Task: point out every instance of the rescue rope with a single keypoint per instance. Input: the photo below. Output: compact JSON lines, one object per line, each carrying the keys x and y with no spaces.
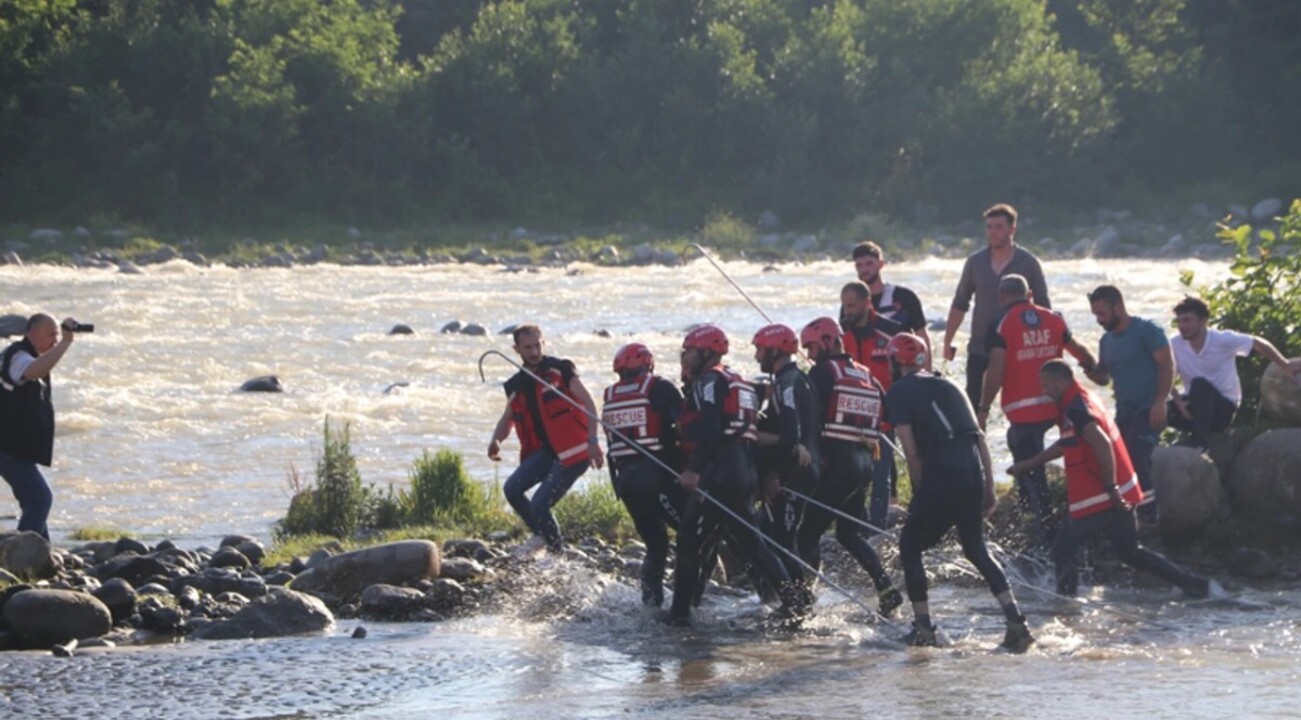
{"x":676,"y":475}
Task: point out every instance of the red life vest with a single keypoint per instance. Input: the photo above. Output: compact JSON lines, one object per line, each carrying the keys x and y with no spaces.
{"x":1032,"y":335}
{"x":854,"y":407}
{"x":869,"y":351}
{"x":1085,"y":492}
{"x":628,"y":409}
{"x":565,"y":425}
{"x":740,"y":408}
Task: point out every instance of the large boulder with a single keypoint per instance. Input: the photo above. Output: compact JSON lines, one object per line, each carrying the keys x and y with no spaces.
{"x":347,"y":575}
{"x":278,"y":613}
{"x":1280,"y":396}
{"x":119,"y":597}
{"x":41,"y":618}
{"x":26,"y":554}
{"x":1187,"y":491}
{"x":390,"y":602}
{"x":1266,"y":482}
{"x":263,"y":383}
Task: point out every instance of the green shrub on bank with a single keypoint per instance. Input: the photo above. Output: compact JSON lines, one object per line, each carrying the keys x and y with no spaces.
{"x":443,"y":494}
{"x":97,"y":533}
{"x":594,"y":511}
{"x":1261,"y":297}
{"x":335,"y":503}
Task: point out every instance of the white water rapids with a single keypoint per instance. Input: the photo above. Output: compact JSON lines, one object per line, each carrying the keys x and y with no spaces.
{"x":154,"y":439}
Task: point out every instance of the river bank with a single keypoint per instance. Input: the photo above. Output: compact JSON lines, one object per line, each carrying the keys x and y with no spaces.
{"x":1190,"y":233}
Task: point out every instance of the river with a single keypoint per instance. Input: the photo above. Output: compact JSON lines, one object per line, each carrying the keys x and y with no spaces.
{"x":154,"y":439}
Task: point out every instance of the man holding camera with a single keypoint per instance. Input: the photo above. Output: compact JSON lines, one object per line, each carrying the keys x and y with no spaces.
{"x":27,"y":415}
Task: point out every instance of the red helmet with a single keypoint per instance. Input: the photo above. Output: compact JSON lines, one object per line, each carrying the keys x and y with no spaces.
{"x":634,"y":356}
{"x":706,"y":337}
{"x":906,"y":349}
{"x":821,"y":332}
{"x":777,"y":336}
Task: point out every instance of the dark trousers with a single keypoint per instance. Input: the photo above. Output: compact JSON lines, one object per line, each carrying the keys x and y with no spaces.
{"x":976,"y":367}
{"x":843,"y":487}
{"x":553,"y":480}
{"x":1140,"y":440}
{"x":883,"y":471}
{"x":31,"y":491}
{"x":1026,"y":440}
{"x":1212,"y":412}
{"x":786,"y":514}
{"x":1119,"y":527}
{"x":730,"y":481}
{"x":954,"y":499}
{"x":655,"y":502}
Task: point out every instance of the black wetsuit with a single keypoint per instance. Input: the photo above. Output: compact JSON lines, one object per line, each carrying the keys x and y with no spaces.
{"x":726,"y":468}
{"x":951,"y":493}
{"x":843,"y":486}
{"x":651,"y":493}
{"x":796,"y":423}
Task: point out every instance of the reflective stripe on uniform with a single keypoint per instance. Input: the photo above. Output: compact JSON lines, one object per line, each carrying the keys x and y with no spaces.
{"x":1104,"y":497}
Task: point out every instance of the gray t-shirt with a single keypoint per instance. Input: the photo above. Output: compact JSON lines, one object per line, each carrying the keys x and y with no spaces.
{"x":980,"y":280}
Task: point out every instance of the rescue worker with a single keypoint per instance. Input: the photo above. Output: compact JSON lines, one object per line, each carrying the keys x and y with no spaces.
{"x":557,"y":440}
{"x":866,"y":334}
{"x":1020,"y":342}
{"x":722,"y":465}
{"x":849,"y":409}
{"x":1102,"y":488}
{"x":953,"y":485}
{"x":643,"y":408}
{"x":792,"y":448}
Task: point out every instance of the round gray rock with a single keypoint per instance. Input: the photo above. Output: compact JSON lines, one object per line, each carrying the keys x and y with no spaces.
{"x":264,"y":383}
{"x":1266,"y":482}
{"x":26,"y":554}
{"x":41,"y":618}
{"x":390,"y":601}
{"x":1187,"y":491}
{"x":278,"y":613}
{"x":1280,"y":396}
{"x":119,"y":597}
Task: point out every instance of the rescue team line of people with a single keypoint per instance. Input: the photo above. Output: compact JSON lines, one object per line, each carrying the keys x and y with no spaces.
{"x":807,"y":447}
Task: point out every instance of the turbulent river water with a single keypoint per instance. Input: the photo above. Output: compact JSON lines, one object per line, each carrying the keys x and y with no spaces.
{"x":153,"y":438}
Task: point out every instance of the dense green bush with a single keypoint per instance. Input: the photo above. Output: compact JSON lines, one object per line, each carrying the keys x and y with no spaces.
{"x":334,"y":502}
{"x":594,"y":511}
{"x":244,"y":113}
{"x":442,"y":492}
{"x":1262,"y":296}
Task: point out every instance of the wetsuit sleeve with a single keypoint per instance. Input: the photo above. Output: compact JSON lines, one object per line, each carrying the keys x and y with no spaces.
{"x":710,"y":393}
{"x":666,"y":401}
{"x":820,"y":384}
{"x":788,"y":417}
{"x":809,"y":408}
{"x":912,"y":307}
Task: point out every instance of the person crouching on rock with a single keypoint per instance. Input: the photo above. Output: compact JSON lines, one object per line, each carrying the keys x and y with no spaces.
{"x":722,"y":464}
{"x":953,"y":485}
{"x":640,"y":416}
{"x":1102,"y":488}
{"x":557,"y":439}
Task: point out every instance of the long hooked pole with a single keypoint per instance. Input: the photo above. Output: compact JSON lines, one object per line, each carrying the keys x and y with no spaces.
{"x":676,"y":475}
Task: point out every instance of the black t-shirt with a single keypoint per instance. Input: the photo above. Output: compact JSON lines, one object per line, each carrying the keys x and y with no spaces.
{"x":943,"y":424}
{"x":1077,"y":414}
{"x":905,"y":307}
{"x":522,"y":382}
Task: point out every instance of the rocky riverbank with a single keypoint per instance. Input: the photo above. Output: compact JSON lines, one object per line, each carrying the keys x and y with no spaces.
{"x":1105,"y":233}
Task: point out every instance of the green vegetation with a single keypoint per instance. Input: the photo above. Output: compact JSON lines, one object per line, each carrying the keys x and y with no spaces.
{"x":595,"y":511}
{"x":1262,"y":297}
{"x":187,"y":116}
{"x":97,"y":533}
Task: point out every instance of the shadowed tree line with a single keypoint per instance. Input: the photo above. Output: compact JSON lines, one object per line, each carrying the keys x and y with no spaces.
{"x":241,"y":113}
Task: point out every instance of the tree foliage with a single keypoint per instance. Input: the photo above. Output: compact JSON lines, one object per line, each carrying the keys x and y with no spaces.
{"x":248,"y":112}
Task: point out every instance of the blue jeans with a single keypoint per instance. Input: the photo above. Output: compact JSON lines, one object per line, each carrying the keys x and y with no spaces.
{"x":31,"y":491}
{"x":879,"y":503}
{"x":554,"y":480}
{"x":1140,"y":440}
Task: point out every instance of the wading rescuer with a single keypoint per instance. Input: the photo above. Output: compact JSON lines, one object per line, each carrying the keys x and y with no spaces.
{"x":849,"y":407}
{"x":722,"y":464}
{"x":644,"y":408}
{"x":866,"y":334}
{"x":793,"y":449}
{"x":557,"y":441}
{"x":1019,"y":343}
{"x":27,"y":415}
{"x":1101,"y":486}
{"x":953,"y":485}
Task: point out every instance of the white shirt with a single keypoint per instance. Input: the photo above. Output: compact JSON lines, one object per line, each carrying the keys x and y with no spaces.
{"x":18,"y":366}
{"x":1215,"y":362}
